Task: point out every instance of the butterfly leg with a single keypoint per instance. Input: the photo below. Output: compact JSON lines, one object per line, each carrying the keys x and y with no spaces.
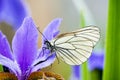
{"x":57,"y":59}
{"x":43,"y":49}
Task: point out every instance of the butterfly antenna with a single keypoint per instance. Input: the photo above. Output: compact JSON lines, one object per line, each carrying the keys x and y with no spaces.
{"x":41,"y":33}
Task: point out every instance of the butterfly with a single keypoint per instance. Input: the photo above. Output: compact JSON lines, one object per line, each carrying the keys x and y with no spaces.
{"x":74,"y":47}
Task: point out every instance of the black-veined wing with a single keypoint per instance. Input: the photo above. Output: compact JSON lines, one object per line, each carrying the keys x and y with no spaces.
{"x":75,"y":47}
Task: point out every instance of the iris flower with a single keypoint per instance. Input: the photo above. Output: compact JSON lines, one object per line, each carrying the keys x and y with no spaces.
{"x":13,"y":12}
{"x":25,"y":57}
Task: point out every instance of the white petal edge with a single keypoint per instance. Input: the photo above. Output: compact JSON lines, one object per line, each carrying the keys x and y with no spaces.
{"x":12,"y":65}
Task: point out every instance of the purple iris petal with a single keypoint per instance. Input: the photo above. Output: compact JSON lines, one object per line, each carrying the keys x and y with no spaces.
{"x":75,"y":73}
{"x":5,"y":47}
{"x":43,"y":54}
{"x":52,"y":29}
{"x":45,"y":63}
{"x":13,"y":12}
{"x":50,"y":32}
{"x":96,"y":61}
{"x":24,"y":44}
{"x":1,"y":4}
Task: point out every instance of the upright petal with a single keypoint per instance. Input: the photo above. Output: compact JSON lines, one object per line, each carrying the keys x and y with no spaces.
{"x":13,"y":12}
{"x":52,"y":29}
{"x":24,"y":44}
{"x":49,"y":33}
{"x":5,"y":47}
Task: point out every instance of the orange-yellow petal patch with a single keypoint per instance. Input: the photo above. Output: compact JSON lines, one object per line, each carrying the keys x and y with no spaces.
{"x":45,"y":76}
{"x":7,"y":76}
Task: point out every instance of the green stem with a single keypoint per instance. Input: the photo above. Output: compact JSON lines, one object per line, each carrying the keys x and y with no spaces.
{"x":85,"y":72}
{"x":1,"y":68}
{"x":112,"y":63}
{"x":84,"y":68}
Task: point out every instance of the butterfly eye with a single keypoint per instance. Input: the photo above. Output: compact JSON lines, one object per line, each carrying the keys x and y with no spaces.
{"x":45,"y":42}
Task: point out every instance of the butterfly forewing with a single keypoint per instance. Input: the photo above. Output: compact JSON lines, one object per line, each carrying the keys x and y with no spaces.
{"x":75,"y":47}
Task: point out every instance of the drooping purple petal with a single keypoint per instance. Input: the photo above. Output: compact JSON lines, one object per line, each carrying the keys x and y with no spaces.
{"x":5,"y":47}
{"x":52,"y":29}
{"x":10,"y":64}
{"x":24,"y":44}
{"x":96,"y":61}
{"x":45,"y":63}
{"x":13,"y":12}
{"x":75,"y":73}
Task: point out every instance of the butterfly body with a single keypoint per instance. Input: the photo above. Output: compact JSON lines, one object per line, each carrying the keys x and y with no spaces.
{"x":75,"y":47}
{"x":49,"y":46}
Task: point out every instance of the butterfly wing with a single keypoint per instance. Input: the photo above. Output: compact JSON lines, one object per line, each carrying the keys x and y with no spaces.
{"x":75,"y":47}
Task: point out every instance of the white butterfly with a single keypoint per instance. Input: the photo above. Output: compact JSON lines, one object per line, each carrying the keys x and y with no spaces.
{"x":75,"y":47}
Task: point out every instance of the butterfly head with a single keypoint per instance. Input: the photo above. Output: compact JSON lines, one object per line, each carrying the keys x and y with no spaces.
{"x":48,"y":45}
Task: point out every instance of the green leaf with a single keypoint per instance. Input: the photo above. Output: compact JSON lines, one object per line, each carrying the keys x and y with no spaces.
{"x":112,"y":58}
